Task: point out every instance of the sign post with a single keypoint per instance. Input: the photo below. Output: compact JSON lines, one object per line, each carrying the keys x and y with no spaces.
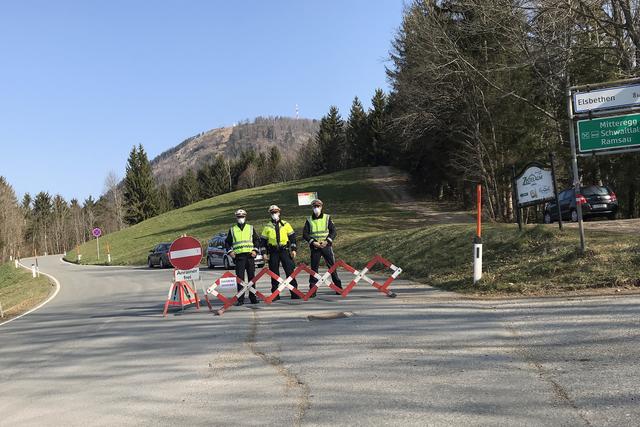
{"x":552,"y":160}
{"x":97,"y":233}
{"x":185,"y":255}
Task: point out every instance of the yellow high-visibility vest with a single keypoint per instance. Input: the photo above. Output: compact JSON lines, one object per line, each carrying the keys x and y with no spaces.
{"x":269,"y":233}
{"x":319,"y":228}
{"x":242,"y":239}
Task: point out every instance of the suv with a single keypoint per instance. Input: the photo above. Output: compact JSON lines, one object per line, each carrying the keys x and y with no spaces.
{"x":596,"y":201}
{"x":217,"y":256}
{"x":159,"y":256}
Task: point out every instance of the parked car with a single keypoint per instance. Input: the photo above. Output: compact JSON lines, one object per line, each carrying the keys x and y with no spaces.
{"x":217,"y":256}
{"x":596,"y":201}
{"x":159,"y":256}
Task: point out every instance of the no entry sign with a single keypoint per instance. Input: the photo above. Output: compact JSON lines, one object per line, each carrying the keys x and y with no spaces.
{"x":185,"y":253}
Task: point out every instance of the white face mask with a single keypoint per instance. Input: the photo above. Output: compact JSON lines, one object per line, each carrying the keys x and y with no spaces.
{"x":275,"y":216}
{"x":317,"y":211}
{"x":241,"y":221}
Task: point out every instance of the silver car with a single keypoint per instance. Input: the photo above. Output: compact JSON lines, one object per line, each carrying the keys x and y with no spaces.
{"x":217,"y":255}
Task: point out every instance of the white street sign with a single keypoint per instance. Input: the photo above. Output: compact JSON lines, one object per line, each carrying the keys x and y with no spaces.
{"x":193,"y":274}
{"x":606,"y":99}
{"x":535,"y":185}
{"x":305,"y":199}
{"x":228,"y":283}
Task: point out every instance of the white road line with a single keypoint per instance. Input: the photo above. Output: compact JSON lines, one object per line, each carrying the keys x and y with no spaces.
{"x":41,"y":304}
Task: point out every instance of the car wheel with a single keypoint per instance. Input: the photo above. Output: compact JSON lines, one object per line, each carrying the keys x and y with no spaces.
{"x":574,"y":215}
{"x":547,"y":218}
{"x":149,"y":263}
{"x":226,"y":263}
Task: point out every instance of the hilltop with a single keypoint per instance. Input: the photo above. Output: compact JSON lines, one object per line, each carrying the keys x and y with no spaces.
{"x":288,"y":134}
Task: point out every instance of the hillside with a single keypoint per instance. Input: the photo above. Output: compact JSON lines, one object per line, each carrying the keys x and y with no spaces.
{"x":286,"y":133}
{"x":539,"y":260}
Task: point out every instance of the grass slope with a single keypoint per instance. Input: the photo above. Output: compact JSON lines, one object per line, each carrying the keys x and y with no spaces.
{"x":538,"y":260}
{"x":19,"y":291}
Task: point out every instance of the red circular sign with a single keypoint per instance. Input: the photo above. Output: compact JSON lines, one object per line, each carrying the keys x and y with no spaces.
{"x":185,"y":253}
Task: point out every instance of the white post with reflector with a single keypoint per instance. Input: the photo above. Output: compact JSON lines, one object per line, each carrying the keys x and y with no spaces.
{"x":477,"y":241}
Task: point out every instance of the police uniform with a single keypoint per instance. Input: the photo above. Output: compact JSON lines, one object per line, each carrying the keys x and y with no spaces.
{"x":319,"y":228}
{"x":242,"y":239}
{"x":279,"y":239}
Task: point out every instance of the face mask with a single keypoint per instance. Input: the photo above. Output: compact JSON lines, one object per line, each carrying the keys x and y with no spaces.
{"x":317,"y":211}
{"x":241,"y":221}
{"x":275,"y":216}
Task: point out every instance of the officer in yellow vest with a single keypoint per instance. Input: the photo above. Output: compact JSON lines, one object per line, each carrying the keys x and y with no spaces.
{"x":279,"y":241}
{"x":320,"y":232}
{"x":242,"y":243}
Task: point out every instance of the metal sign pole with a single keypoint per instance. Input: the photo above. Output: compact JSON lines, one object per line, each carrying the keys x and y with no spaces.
{"x":516,"y":203}
{"x":552,"y":158}
{"x":98,"y":245}
{"x":574,"y":164}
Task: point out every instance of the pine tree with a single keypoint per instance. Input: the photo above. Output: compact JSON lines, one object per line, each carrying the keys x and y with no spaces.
{"x":330,"y":140}
{"x":378,"y":122}
{"x":357,"y":136}
{"x":165,"y":204}
{"x":206,"y":181}
{"x":140,"y":194}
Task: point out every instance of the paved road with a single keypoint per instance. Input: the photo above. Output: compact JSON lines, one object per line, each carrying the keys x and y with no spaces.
{"x":101,"y":354}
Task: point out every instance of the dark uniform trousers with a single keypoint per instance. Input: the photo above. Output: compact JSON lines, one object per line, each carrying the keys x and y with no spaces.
{"x":245,"y":262}
{"x":279,"y":256}
{"x":329,"y":258}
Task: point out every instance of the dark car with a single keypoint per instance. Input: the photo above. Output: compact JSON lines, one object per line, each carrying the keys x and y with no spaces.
{"x":596,"y":201}
{"x":217,"y":256}
{"x":159,"y":256}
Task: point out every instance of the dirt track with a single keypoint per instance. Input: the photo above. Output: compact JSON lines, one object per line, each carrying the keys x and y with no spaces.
{"x":395,"y":185}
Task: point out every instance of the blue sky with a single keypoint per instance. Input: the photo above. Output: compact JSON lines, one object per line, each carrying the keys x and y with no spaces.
{"x":82,"y":81}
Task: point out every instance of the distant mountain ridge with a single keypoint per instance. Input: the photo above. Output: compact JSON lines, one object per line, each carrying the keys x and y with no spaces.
{"x":288,"y":134}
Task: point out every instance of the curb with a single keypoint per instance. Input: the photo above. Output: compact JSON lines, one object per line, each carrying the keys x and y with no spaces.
{"x":42,"y":304}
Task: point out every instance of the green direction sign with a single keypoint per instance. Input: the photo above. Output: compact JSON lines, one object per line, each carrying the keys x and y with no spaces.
{"x":609,"y":133}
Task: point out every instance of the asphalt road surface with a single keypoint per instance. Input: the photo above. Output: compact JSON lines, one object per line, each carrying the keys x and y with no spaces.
{"x":101,"y":353}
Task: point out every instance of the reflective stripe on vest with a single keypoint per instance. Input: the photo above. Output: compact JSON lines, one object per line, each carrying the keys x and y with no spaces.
{"x":242,"y":239}
{"x":269,"y":233}
{"x":319,"y":228}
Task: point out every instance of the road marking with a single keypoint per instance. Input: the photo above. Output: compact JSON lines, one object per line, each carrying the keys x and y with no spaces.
{"x":41,"y":304}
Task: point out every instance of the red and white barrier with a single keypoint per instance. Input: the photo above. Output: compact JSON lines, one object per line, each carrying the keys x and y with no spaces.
{"x":323,"y":280}
{"x":181,"y":294}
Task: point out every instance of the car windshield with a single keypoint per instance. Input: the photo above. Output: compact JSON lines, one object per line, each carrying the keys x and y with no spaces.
{"x":595,"y":190}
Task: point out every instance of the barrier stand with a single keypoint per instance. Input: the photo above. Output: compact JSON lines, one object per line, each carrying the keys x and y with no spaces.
{"x":181,"y":294}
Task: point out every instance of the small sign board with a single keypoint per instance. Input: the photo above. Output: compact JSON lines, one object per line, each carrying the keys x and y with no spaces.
{"x":609,"y":133}
{"x":97,"y":232}
{"x":305,"y":199}
{"x":228,"y":283}
{"x":534,"y":185}
{"x":607,"y":99}
{"x":191,"y":274}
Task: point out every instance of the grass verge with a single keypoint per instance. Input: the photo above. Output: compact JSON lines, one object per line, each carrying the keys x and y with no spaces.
{"x":19,"y":291}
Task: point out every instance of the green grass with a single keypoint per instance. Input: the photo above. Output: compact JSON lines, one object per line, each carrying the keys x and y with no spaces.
{"x":19,"y":291}
{"x":357,"y":208}
{"x":538,"y":260}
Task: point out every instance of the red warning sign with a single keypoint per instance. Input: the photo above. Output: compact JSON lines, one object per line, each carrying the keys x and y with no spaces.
{"x":185,"y":253}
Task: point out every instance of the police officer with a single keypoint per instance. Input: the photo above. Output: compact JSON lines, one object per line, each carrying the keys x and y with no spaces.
{"x":242,"y":243}
{"x":279,"y":241}
{"x":320,"y":232}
